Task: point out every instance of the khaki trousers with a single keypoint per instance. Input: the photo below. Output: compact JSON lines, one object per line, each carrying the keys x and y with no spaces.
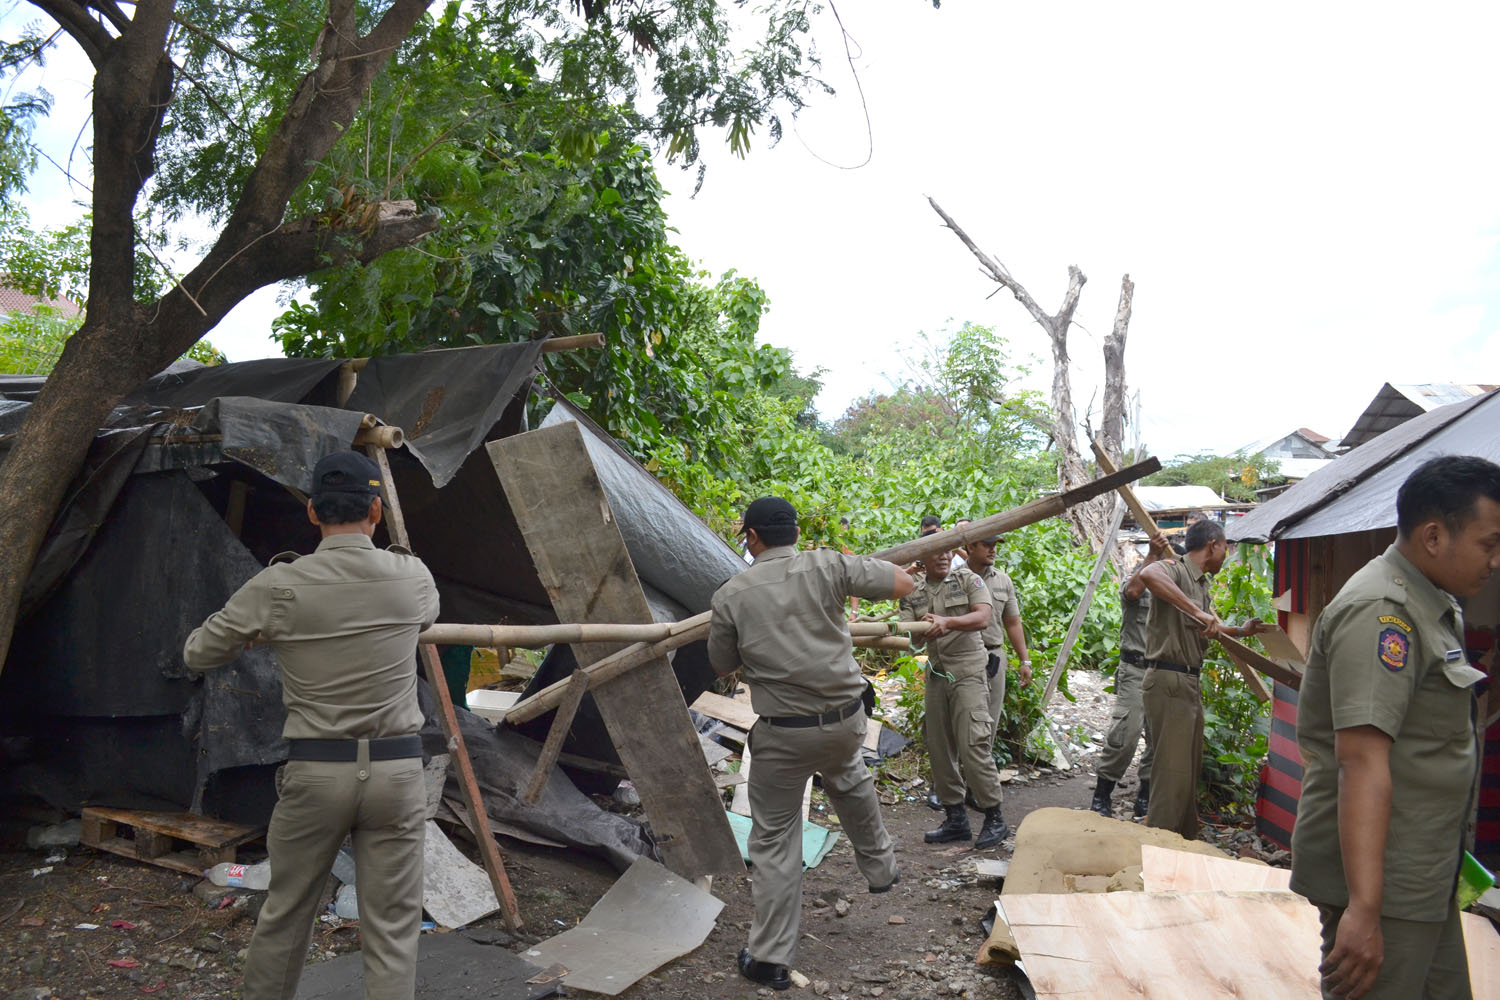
{"x":997,"y":697}
{"x":784,"y":758}
{"x":960,"y":735}
{"x":1126,"y":722}
{"x":319,"y":802}
{"x":1174,"y":715}
{"x":1423,"y":961}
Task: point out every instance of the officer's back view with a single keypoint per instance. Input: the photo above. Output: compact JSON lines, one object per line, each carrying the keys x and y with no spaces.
{"x":782,"y":620}
{"x":344,"y":624}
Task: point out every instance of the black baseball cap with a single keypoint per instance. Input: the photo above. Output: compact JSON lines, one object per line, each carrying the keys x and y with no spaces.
{"x":768,"y":512}
{"x":346,"y":472}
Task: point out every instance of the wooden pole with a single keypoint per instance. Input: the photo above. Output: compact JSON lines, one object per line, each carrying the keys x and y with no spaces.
{"x":1137,"y":509}
{"x":576,"y":684}
{"x":489,"y":850}
{"x":1037,"y":510}
{"x":1081,"y":612}
{"x":540,"y":636}
{"x":554,"y":344}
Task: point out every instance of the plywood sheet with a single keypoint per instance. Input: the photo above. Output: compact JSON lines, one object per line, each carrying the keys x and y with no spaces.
{"x":647,"y":918}
{"x":1167,"y":946}
{"x":455,"y":891}
{"x":735,"y":712}
{"x":1166,"y":870}
{"x":1483,"y":945}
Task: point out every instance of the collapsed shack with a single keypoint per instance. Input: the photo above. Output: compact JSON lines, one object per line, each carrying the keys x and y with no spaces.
{"x":199,"y":478}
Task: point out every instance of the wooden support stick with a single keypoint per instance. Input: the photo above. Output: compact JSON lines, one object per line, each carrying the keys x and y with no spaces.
{"x":539,"y":636}
{"x":996,"y":524}
{"x":1081,"y":612}
{"x":611,"y":666}
{"x":554,"y":344}
{"x":1251,"y":659}
{"x":577,"y":684}
{"x":882,"y":642}
{"x":1252,"y":679}
{"x":489,"y":850}
{"x":1137,"y":509}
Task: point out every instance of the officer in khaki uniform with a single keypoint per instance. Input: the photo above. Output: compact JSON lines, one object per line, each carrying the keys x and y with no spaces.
{"x":1005,"y":623}
{"x":344,"y":624}
{"x":958,"y":729}
{"x":1128,"y":717}
{"x":782,"y":623}
{"x":1386,"y":728}
{"x":1173,"y":701}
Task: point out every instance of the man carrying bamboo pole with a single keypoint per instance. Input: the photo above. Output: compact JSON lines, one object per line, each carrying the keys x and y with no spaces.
{"x":344,"y":624}
{"x":782,"y":623}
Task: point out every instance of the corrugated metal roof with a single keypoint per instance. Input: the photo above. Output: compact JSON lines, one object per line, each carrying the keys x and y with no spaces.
{"x":1395,"y":404}
{"x":1177,"y":497}
{"x":1357,"y":492}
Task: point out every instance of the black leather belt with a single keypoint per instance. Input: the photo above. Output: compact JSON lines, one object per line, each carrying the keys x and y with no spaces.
{"x":1176,"y":668}
{"x":808,"y":721}
{"x":389,"y":748}
{"x":1132,"y":657}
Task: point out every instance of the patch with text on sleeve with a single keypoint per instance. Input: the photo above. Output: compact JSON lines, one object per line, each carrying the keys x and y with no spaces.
{"x":1394,"y":647}
{"x":1393,"y":620}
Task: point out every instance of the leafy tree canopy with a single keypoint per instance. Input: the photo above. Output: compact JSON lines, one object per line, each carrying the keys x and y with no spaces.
{"x":1235,"y":476}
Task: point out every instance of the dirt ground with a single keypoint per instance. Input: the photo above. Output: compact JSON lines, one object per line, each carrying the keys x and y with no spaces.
{"x":99,"y":926}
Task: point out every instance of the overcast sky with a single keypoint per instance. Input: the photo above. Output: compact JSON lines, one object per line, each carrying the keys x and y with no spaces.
{"x":1304,"y":195}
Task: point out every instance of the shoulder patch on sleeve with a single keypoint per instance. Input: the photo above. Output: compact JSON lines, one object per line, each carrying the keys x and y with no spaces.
{"x":1393,"y":620}
{"x":1393,"y":647}
{"x":284,"y":557}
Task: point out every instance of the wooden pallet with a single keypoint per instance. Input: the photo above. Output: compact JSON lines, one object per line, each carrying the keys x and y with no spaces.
{"x":184,"y":842}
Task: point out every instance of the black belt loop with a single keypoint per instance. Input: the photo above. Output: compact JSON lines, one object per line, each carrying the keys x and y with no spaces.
{"x":1176,"y":668}
{"x":808,"y":721}
{"x":347,"y":751}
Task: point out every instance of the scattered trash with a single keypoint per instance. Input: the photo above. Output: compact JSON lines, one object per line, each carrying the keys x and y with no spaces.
{"x":58,"y":835}
{"x":85,"y":927}
{"x":122,"y":925}
{"x":257,"y":876}
{"x":152,"y":989}
{"x":343,"y":866}
{"x":40,"y":871}
{"x":799,"y":980}
{"x":550,"y":974}
{"x":428,"y":925}
{"x":33,"y":922}
{"x":124,"y":963}
{"x":346,"y":903}
{"x":57,"y":857}
{"x":626,"y":795}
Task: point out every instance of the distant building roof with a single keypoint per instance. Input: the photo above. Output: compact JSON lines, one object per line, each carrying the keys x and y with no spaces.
{"x":15,"y":300}
{"x":1313,"y":436}
{"x":1357,"y":491}
{"x":1178,"y":497}
{"x":1395,"y":404}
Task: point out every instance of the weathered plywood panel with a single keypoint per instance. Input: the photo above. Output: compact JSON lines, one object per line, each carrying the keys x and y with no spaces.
{"x":581,"y":559}
{"x":1166,"y":870}
{"x":1167,"y":946}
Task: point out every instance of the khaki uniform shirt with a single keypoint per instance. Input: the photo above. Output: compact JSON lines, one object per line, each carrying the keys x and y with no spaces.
{"x":1170,"y":635}
{"x":782,"y":621}
{"x":344,"y":624}
{"x":961,"y":654}
{"x":1133,"y":622}
{"x":1388,"y":652}
{"x":1006,"y":605}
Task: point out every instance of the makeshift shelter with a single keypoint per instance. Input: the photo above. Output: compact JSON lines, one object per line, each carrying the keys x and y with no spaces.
{"x":198,"y":479}
{"x":1328,"y":526}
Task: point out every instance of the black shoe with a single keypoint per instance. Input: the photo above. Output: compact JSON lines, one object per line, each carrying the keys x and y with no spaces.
{"x":934,"y":803}
{"x":993,"y":831}
{"x":972,"y":802}
{"x":887,"y":888}
{"x":765,"y":973}
{"x":1142,"y":799}
{"x":1101,"y":804}
{"x":955,"y":826}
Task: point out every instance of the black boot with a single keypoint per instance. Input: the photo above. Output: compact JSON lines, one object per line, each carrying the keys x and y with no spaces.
{"x":955,"y":826}
{"x":1102,"y":792}
{"x":993,"y":831}
{"x":1142,"y":799}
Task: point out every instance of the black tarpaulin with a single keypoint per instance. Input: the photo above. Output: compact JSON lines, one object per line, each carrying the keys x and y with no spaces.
{"x":284,"y":380}
{"x":446,"y":402}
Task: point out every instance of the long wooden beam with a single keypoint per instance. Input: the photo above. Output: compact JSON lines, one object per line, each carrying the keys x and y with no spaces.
{"x":1019,"y":517}
{"x":1138,"y":510}
{"x":540,"y":636}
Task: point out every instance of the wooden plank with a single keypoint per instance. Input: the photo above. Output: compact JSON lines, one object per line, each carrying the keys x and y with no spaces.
{"x":1081,"y":612}
{"x":872,"y":735}
{"x":489,"y":848}
{"x":1143,"y":518}
{"x":1252,"y":679}
{"x":192,"y":827}
{"x":1279,"y":672}
{"x":741,"y":802}
{"x":1031,"y":513}
{"x":736,"y":713}
{"x":1192,"y":946}
{"x":1166,"y":870}
{"x":578,"y":684}
{"x":581,"y":560}
{"x":1483,"y":945}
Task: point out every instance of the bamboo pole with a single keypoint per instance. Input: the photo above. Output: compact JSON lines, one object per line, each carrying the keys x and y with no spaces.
{"x":996,"y":524}
{"x":554,"y":344}
{"x":541,"y":636}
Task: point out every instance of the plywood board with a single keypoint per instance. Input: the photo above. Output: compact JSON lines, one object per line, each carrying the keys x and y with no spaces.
{"x":647,"y":919}
{"x":580,"y":556}
{"x":736,"y":713}
{"x":1279,"y":646}
{"x":1168,"y":946}
{"x":1483,"y":945}
{"x":1166,"y":870}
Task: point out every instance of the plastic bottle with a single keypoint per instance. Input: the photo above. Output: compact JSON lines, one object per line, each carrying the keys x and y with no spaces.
{"x":343,"y":866}
{"x":256,"y":876}
{"x":346,"y":904}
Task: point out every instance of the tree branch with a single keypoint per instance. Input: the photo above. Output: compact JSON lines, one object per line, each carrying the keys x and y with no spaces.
{"x":73,"y":18}
{"x":995,"y":269}
{"x":217,"y":43}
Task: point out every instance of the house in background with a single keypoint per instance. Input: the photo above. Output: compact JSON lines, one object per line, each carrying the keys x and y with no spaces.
{"x":1395,"y":404}
{"x":1297,"y":455}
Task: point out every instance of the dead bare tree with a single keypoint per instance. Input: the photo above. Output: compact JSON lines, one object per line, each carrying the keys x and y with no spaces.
{"x":1090,"y":521}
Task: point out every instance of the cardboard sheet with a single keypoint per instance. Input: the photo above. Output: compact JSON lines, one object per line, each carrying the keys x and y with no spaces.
{"x":455,"y":891}
{"x":647,"y":918}
{"x":816,"y":841}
